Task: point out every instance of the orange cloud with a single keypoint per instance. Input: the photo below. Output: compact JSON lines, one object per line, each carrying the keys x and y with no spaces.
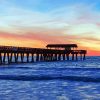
{"x":32,"y":39}
{"x":93,"y":53}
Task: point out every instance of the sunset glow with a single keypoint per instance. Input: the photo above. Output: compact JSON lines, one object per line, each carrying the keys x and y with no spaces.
{"x":35,"y":23}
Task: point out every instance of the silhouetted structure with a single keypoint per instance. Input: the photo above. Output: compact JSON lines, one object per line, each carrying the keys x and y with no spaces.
{"x":62,"y":46}
{"x":11,"y":54}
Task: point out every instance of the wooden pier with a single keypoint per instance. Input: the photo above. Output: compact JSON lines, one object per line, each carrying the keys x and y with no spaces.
{"x":53,"y":52}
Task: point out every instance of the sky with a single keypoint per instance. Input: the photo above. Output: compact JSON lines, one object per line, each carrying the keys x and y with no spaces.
{"x":36,"y":23}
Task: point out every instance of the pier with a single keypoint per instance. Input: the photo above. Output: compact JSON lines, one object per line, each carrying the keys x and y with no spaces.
{"x":52,"y":52}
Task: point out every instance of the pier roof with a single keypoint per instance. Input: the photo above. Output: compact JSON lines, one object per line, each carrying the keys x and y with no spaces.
{"x":61,"y":45}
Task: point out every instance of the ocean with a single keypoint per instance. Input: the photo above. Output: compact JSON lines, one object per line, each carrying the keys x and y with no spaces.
{"x":58,"y":80}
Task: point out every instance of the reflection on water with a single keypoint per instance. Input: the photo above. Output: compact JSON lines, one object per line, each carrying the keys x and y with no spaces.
{"x":66,"y":81}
